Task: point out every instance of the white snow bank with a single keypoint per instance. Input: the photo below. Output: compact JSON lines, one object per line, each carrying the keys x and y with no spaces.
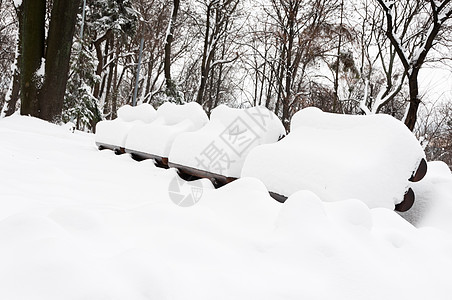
{"x":114,"y":132}
{"x":71,"y":228}
{"x":157,"y":137}
{"x":223,"y":144}
{"x":340,"y":157}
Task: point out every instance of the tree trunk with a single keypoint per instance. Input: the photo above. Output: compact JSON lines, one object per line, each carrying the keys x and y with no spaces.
{"x":107,"y":106}
{"x":259,"y":101}
{"x":114,"y":98}
{"x":104,"y":76}
{"x":149,"y":77}
{"x":205,"y":57}
{"x":59,"y":44}
{"x":32,"y":45}
{"x":100,"y":58}
{"x":13,"y":93}
{"x":209,"y":103}
{"x":288,"y":83}
{"x":170,"y":87}
{"x":219,"y":81}
{"x":411,"y":116}
{"x":269,"y":87}
{"x":338,"y":62}
{"x":280,"y":78}
{"x":269,"y":91}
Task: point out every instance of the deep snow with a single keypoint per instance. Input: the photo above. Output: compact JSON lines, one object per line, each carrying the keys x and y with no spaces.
{"x":78,"y":223}
{"x":172,"y":120}
{"x":340,"y":157}
{"x":222,"y":146}
{"x":115,"y":132}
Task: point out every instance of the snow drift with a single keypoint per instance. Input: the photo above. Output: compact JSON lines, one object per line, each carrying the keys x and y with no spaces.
{"x":77,"y":223}
{"x":339,"y":157}
{"x":223,"y":144}
{"x":113,"y":133}
{"x":157,"y":137}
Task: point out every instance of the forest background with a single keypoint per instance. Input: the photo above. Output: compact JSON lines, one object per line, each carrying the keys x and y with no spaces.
{"x":79,"y":61}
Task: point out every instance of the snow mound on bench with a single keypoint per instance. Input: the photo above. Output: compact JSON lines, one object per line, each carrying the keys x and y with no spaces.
{"x":223,"y":144}
{"x":157,"y":137}
{"x":114,"y":132}
{"x":144,"y":112}
{"x":339,"y":157}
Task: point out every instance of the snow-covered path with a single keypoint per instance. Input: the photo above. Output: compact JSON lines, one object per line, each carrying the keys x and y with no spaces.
{"x":76,"y":223}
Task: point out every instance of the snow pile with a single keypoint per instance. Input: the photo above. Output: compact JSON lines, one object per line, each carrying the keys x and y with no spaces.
{"x":143,"y":112}
{"x":77,"y":223}
{"x":340,"y":157}
{"x":114,"y":132}
{"x":223,"y":144}
{"x":157,"y":137}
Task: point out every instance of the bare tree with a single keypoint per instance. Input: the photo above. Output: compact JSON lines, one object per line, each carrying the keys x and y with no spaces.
{"x":170,"y":86}
{"x":302,"y":34}
{"x":414,"y":28}
{"x":376,"y":81}
{"x":218,"y":21}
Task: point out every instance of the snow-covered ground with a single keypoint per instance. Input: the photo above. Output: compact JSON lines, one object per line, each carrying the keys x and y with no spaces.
{"x":77,"y":223}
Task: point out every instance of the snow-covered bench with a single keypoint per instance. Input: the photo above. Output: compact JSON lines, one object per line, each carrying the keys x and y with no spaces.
{"x":154,"y":140}
{"x":218,"y":150}
{"x":370,"y":158}
{"x":112,"y":134}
